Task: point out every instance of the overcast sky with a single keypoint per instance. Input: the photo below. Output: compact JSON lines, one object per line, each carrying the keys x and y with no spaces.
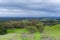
{"x":29,"y":8}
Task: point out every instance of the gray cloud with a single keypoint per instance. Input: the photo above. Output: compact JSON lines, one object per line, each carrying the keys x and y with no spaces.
{"x":30,"y":7}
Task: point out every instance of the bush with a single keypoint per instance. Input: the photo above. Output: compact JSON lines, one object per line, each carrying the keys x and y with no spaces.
{"x":40,"y":27}
{"x":31,"y":29}
{"x":3,"y":30}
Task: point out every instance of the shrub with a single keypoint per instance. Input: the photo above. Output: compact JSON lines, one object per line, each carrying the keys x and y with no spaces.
{"x":31,"y":29}
{"x":40,"y":27}
{"x":3,"y":30}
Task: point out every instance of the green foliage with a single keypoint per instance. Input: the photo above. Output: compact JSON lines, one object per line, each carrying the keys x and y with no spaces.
{"x":31,"y":29}
{"x":3,"y":30}
{"x":30,"y":25}
{"x":40,"y":27}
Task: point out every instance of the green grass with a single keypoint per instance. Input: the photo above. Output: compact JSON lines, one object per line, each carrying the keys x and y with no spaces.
{"x":11,"y":34}
{"x":15,"y":34}
{"x":53,"y":30}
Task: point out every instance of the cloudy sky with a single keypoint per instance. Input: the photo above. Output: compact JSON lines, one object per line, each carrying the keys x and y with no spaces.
{"x":29,"y":8}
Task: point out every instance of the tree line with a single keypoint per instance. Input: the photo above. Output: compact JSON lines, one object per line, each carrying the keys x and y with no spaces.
{"x":30,"y":25}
